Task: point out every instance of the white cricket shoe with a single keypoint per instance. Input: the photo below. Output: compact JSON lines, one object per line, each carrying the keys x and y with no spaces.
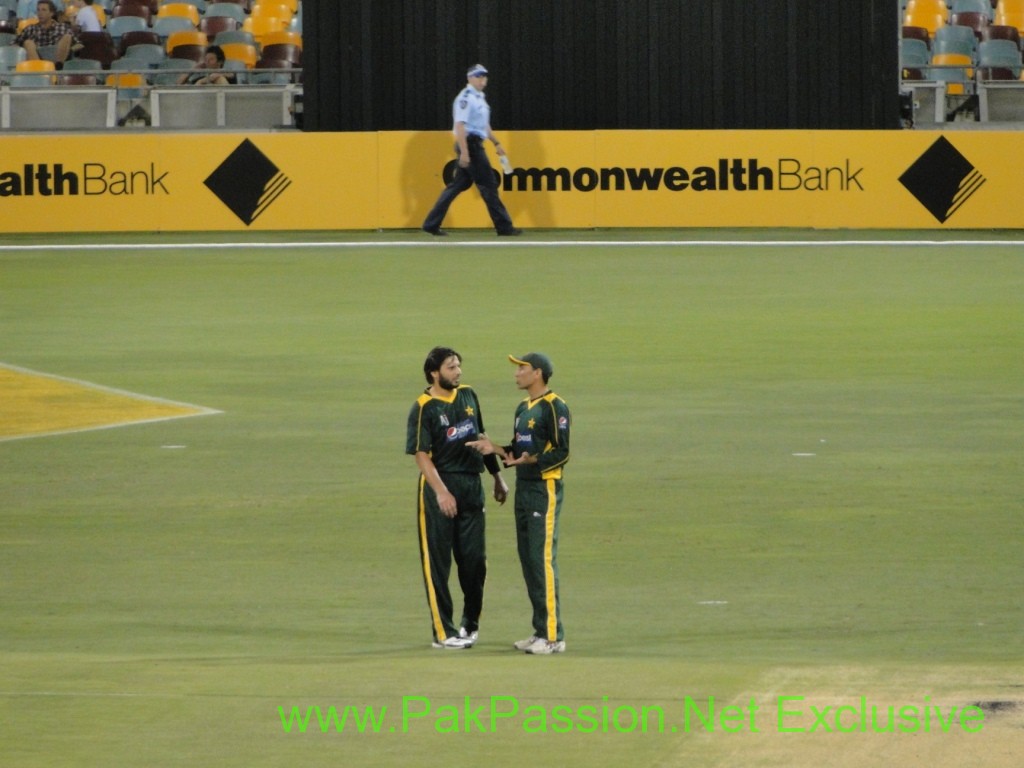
{"x":522,"y":645}
{"x":545,"y":647}
{"x":472,"y":637}
{"x":454,"y":643}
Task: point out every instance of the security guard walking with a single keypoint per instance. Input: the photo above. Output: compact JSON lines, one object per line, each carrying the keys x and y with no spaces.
{"x":471,"y":118}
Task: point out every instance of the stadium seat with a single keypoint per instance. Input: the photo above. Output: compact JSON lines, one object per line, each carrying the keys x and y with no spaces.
{"x":954,"y":39}
{"x":1001,"y":32}
{"x":271,"y":78}
{"x":145,"y":54}
{"x":276,"y":8}
{"x":152,"y":5}
{"x":241,"y":52}
{"x":77,"y":78}
{"x":10,"y":55}
{"x":954,"y":69}
{"x":184,"y":37}
{"x":137,"y":37}
{"x":283,"y":52}
{"x":261,"y":25}
{"x":98,"y":46}
{"x":164,"y":77}
{"x":917,"y":33}
{"x":118,"y":25}
{"x":1011,"y":19}
{"x":927,"y":19}
{"x":82,"y":65}
{"x":165,"y":25}
{"x":25,"y":9}
{"x":183,"y":10}
{"x":40,"y":72}
{"x":199,"y":4}
{"x":80,"y":72}
{"x":973,"y":6}
{"x":971,"y":19}
{"x":214,"y":25}
{"x":930,"y":6}
{"x":914,"y":58}
{"x":132,"y":8}
{"x":234,"y":36}
{"x":999,"y":60}
{"x":284,"y":36}
{"x":230,"y":10}
{"x":187,"y":45}
{"x":130,"y":85}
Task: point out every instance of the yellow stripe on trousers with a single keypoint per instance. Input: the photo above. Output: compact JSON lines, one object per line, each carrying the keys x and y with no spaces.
{"x":435,"y":616}
{"x":549,"y":565}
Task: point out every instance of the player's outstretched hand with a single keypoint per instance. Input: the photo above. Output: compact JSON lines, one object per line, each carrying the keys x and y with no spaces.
{"x":484,"y":445}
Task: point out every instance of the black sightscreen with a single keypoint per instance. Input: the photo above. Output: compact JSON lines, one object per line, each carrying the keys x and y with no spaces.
{"x":586,"y":64}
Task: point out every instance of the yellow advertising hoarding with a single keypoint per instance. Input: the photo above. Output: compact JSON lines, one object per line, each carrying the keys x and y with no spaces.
{"x":187,"y":182}
{"x":567,"y":179}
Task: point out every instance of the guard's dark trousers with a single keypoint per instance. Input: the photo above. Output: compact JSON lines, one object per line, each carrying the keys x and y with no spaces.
{"x":480,"y":173}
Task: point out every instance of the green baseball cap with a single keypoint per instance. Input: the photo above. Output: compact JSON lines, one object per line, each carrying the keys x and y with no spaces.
{"x":535,"y":360}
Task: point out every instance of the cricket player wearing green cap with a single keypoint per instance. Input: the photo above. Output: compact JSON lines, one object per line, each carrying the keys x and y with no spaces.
{"x":539,"y":452}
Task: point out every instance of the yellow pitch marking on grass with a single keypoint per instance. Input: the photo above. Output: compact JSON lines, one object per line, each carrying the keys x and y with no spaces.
{"x":34,"y":404}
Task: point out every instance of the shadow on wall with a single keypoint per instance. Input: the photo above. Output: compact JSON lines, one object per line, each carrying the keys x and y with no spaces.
{"x":429,"y":161}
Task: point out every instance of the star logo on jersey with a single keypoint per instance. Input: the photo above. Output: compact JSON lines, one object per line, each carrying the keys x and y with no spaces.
{"x":469,"y":411}
{"x":531,"y":423}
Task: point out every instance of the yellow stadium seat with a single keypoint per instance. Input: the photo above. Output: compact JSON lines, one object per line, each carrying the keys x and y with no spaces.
{"x":284,"y":36}
{"x":185,"y":10}
{"x":935,"y":6}
{"x":241,"y":52}
{"x":1010,"y":6}
{"x":35,"y":65}
{"x":186,"y":37}
{"x":275,"y":9}
{"x":927,"y":19}
{"x":293,"y":5}
{"x":954,"y":69}
{"x":126,"y":80}
{"x":1013,"y":19}
{"x":261,"y":25}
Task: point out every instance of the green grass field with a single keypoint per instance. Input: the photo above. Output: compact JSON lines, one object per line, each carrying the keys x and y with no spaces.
{"x":797,"y":471}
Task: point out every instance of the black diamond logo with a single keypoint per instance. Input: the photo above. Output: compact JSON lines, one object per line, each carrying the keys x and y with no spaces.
{"x":942,"y":179}
{"x":247,"y":182}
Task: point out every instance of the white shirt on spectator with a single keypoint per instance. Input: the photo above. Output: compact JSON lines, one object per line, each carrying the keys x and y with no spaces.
{"x":87,"y":20}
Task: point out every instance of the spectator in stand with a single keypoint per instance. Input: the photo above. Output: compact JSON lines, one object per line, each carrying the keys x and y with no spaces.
{"x":83,"y":15}
{"x":210,"y":71}
{"x":46,"y":33}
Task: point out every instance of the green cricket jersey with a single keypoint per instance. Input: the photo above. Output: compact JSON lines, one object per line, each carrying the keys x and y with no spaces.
{"x":441,"y":428}
{"x":542,"y":430}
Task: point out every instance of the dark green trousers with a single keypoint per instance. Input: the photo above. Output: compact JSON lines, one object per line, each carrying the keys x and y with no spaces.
{"x":538,"y":504}
{"x":461,"y":537}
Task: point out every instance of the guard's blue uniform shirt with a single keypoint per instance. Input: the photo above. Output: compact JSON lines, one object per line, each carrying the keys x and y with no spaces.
{"x":471,"y":107}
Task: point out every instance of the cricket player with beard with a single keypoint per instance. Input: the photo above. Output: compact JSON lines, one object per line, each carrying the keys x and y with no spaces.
{"x":450,"y":497}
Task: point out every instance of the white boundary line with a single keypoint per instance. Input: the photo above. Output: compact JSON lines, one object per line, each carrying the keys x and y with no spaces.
{"x":520,"y":243}
{"x":200,"y":410}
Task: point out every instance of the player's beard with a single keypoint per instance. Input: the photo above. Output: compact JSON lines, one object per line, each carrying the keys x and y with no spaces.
{"x":446,"y":384}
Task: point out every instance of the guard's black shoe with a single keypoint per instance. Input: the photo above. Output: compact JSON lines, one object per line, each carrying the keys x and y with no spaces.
{"x":438,"y":232}
{"x":514,"y":232}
